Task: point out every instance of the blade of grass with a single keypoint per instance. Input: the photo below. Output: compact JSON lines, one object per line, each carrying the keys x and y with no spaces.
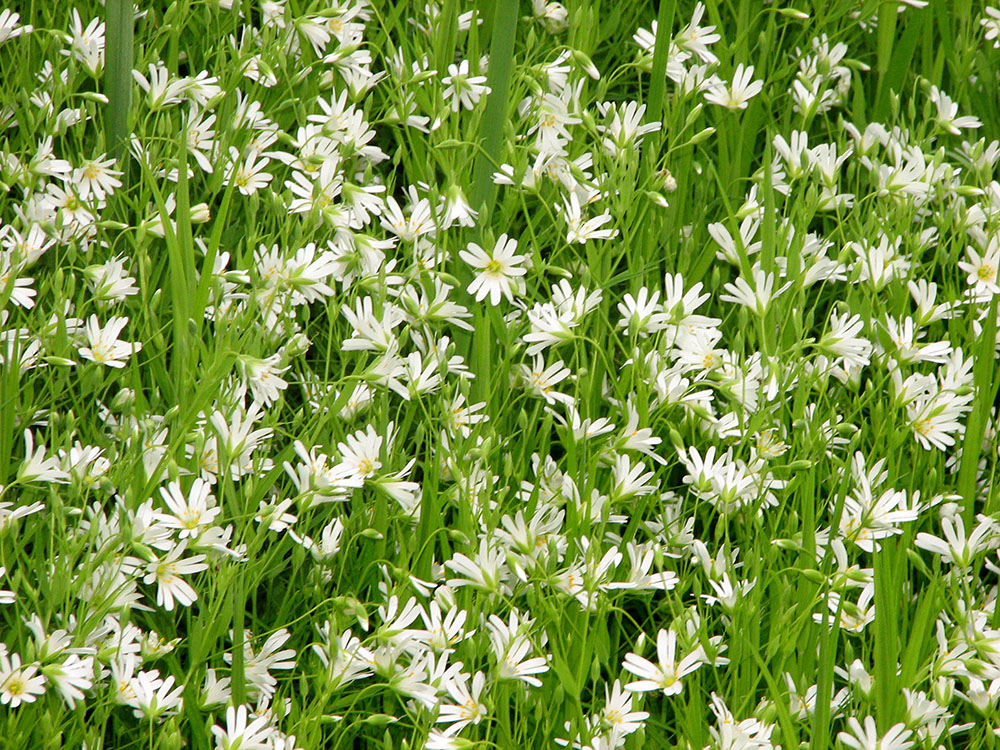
{"x":237,"y":607}
{"x":9,"y":399}
{"x":919,"y":644}
{"x":118,"y":76}
{"x":658,"y":75}
{"x":207,"y":267}
{"x":488,"y":157}
{"x":975,"y":428}
{"x":886,"y":633}
{"x":495,"y":114}
{"x":895,"y":51}
{"x":829,"y":634}
{"x":886,"y":36}
{"x":181,"y":281}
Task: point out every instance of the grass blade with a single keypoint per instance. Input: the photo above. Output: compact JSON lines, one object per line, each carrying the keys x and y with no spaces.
{"x":495,"y":114}
{"x":658,"y":75}
{"x":118,"y":76}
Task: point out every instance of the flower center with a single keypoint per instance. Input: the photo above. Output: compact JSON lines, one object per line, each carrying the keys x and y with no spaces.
{"x":15,"y":686}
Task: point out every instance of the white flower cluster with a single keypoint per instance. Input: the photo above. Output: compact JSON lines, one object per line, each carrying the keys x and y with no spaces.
{"x":302,"y":445}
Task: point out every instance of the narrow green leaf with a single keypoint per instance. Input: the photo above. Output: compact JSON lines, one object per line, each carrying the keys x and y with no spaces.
{"x":658,"y":75}
{"x":495,"y":114}
{"x":975,"y":428}
{"x":886,"y":627}
{"x":118,"y":76}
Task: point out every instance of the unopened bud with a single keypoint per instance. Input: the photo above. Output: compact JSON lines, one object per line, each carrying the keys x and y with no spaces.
{"x":58,"y":361}
{"x":787,"y":544}
{"x":457,"y":536}
{"x":586,"y":64}
{"x":380,"y":720}
{"x":702,"y":136}
{"x":814,"y":576}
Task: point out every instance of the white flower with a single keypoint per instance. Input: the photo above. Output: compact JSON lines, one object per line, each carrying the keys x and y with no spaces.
{"x":626,"y":130}
{"x":866,"y":738}
{"x":454,"y":208}
{"x":110,"y":282}
{"x":248,"y":175}
{"x":935,"y":416}
{"x":167,"y":572}
{"x":361,"y":452}
{"x":6,"y":597}
{"x":579,"y":230}
{"x":95,"y":177}
{"x":983,"y":269}
{"x":9,"y":28}
{"x":217,"y":691}
{"x":239,"y":735}
{"x":488,"y":571}
{"x":695,"y":38}
{"x":26,"y":248}
{"x":190,"y":515}
{"x":553,"y":116}
{"x":907,"y":175}
{"x":161,"y":90}
{"x":257,"y":665}
{"x":105,"y":348}
{"x":235,"y":437}
{"x":511,"y":647}
{"x":370,"y":331}
{"x":320,"y":193}
{"x":497,"y":270}
{"x":274,"y":517}
{"x":468,"y":707}
{"x":947,"y":111}
{"x":540,"y":380}
{"x":419,"y":222}
{"x":71,"y":677}
{"x":19,"y":289}
{"x":635,"y":438}
{"x":629,"y":480}
{"x":957,"y":548}
{"x":263,"y":377}
{"x":757,"y":297}
{"x":737,"y":95}
{"x":87,"y":44}
{"x":618,"y":715}
{"x":991,"y":24}
{"x":152,"y":697}
{"x":461,"y":89}
{"x":37,"y":468}
{"x":667,"y":674}
{"x":18,"y":684}
{"x":553,"y":16}
{"x":201,"y":139}
{"x":843,"y":340}
{"x":643,"y":314}
{"x":548,"y":328}
{"x":641,"y":557}
{"x":903,"y":335}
